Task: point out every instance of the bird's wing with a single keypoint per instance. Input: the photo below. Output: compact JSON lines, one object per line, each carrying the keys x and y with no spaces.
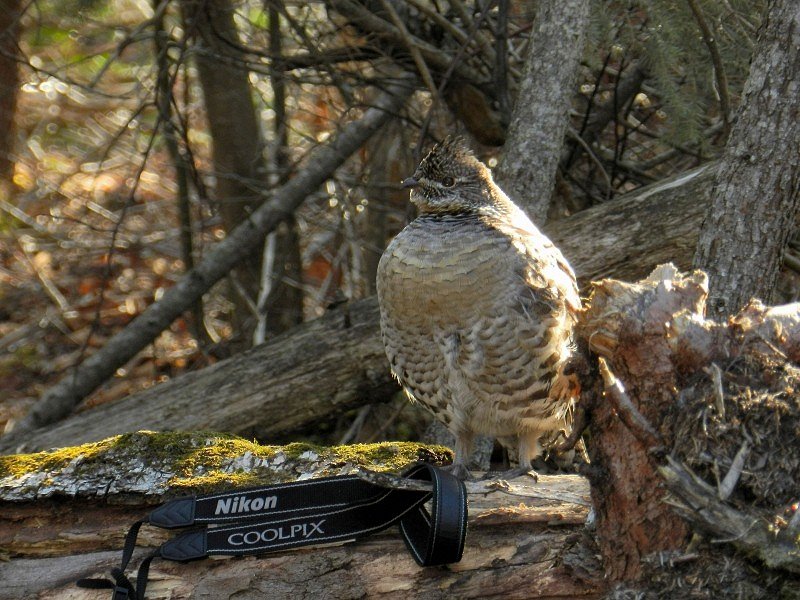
{"x":546,"y":269}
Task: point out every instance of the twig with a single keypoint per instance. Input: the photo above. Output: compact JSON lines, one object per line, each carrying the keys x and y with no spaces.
{"x":445,"y":79}
{"x":135,"y":36}
{"x":435,"y":16}
{"x":719,"y":68}
{"x":471,"y":25}
{"x":388,"y":480}
{"x":584,"y":367}
{"x":734,"y":473}
{"x":719,"y":395}
{"x":579,"y":424}
{"x":434,"y":56}
{"x":697,"y":502}
{"x":422,"y":67}
{"x":792,"y":261}
{"x":356,"y":425}
{"x":48,"y":285}
{"x":592,"y":156}
{"x":164,"y":104}
{"x":22,"y":216}
{"x":636,"y":423}
{"x":403,"y":403}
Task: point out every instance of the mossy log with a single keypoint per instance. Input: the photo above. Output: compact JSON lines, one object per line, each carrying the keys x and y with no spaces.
{"x":64,"y":514}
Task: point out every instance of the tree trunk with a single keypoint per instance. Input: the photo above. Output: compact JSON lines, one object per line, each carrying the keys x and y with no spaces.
{"x":523,"y":541}
{"x":240,"y":168}
{"x":281,"y":297}
{"x":541,"y":114}
{"x":59,"y":400}
{"x":756,"y":195}
{"x":337,"y":362}
{"x":9,"y":84}
{"x":632,"y":520}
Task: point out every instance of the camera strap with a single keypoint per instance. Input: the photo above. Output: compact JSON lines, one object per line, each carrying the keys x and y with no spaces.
{"x":303,"y":513}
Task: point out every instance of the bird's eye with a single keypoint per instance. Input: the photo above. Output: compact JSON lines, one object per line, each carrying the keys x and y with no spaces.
{"x":448,"y":182}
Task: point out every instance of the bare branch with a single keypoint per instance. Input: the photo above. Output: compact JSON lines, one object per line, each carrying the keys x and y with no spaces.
{"x":698,"y":503}
{"x":719,"y":68}
{"x":636,"y":423}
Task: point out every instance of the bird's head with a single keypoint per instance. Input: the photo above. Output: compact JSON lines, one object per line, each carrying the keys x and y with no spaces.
{"x":450,"y":179}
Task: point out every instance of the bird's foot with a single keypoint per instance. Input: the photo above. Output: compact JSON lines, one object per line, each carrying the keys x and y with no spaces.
{"x":510,"y":474}
{"x":459,"y":470}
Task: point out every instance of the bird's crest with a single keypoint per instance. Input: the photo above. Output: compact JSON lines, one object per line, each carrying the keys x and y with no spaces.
{"x":447,"y":156}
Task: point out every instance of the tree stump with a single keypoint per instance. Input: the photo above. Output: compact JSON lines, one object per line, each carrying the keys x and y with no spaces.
{"x":695,"y":430}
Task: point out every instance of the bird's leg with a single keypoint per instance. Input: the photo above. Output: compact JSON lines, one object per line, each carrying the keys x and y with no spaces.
{"x":462,"y":453}
{"x":528,"y":449}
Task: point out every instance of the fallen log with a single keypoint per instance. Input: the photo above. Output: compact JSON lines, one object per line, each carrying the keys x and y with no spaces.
{"x":336,"y":362}
{"x":693,"y":480}
{"x":320,"y":368}
{"x":64,"y":514}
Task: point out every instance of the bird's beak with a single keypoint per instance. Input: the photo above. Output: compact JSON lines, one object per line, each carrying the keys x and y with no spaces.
{"x":409,"y":182}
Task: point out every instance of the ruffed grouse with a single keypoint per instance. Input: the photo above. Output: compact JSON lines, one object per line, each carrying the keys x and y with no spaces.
{"x":477,"y":308}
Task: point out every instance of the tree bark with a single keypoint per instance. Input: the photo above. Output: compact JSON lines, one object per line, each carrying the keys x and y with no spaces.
{"x":324,"y":367}
{"x":523,"y":542}
{"x":59,"y":400}
{"x":539,"y":121}
{"x":9,"y":83}
{"x":280,"y":302}
{"x":757,"y":191}
{"x":240,"y":168}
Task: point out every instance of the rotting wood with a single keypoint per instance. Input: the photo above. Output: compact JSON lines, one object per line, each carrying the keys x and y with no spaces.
{"x":662,"y":440}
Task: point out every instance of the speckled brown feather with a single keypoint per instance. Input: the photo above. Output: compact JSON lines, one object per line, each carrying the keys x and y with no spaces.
{"x":477,"y":308}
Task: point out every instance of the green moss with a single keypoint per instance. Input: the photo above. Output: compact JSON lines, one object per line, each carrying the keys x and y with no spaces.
{"x":205,"y":461}
{"x":17,"y":465}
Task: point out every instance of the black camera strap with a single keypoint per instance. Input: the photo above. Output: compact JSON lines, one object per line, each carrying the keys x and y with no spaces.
{"x":316,"y":511}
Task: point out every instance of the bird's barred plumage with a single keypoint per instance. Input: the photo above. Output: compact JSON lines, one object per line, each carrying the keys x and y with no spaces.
{"x":477,"y":308}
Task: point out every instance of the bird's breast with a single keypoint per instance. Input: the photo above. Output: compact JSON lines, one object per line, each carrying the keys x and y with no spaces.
{"x":444,"y":272}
